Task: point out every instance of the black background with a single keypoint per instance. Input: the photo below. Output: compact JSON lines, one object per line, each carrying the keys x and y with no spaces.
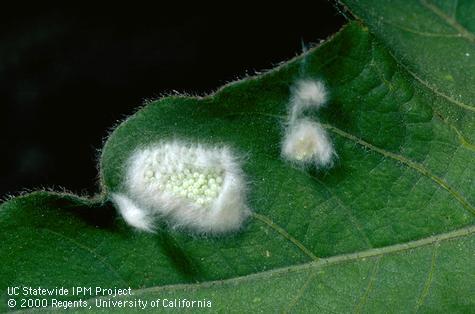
{"x":68,"y":75}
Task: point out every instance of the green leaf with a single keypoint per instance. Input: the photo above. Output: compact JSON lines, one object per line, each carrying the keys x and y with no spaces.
{"x":439,"y":269}
{"x":389,"y":226}
{"x":434,"y":41}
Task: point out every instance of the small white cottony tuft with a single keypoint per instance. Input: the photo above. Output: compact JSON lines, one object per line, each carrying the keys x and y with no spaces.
{"x":193,"y":186}
{"x":306,"y":94}
{"x":132,"y":214}
{"x":312,"y":92}
{"x":306,"y":142}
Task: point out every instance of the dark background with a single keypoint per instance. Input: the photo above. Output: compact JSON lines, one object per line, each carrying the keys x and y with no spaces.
{"x":68,"y":75}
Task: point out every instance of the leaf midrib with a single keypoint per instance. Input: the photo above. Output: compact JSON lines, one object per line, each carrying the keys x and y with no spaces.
{"x":322,"y":262}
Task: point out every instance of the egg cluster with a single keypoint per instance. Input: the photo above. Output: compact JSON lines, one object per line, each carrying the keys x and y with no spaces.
{"x":304,"y":148}
{"x":192,"y":186}
{"x":201,"y":186}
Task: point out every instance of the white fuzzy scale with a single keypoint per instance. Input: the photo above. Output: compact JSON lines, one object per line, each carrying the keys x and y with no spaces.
{"x":310,"y":93}
{"x":192,"y":186}
{"x":307,"y":142}
{"x":307,"y":94}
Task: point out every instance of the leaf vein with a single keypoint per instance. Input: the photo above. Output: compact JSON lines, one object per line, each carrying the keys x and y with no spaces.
{"x":100,"y":258}
{"x":460,"y":136}
{"x":421,"y":33}
{"x":428,"y":282}
{"x":469,"y":107}
{"x":405,"y":161}
{"x":414,"y":165}
{"x":351,"y":217}
{"x":322,"y":262}
{"x":267,"y":221}
{"x":300,"y":293}
{"x":449,"y":20}
{"x":371,"y":280}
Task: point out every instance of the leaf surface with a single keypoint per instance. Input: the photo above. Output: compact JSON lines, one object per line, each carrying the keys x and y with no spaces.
{"x":433,"y":275}
{"x":391,"y":224}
